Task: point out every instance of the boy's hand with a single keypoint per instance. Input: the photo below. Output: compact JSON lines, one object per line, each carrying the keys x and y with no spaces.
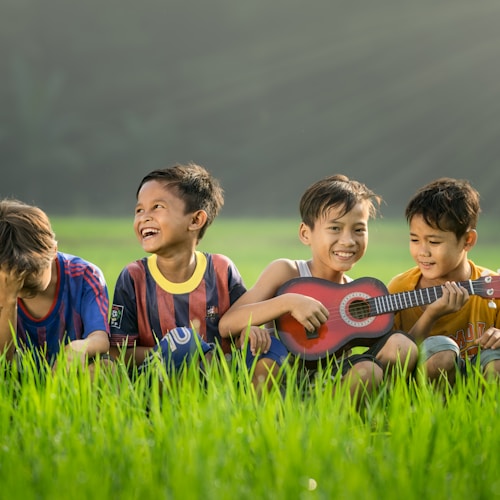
{"x":490,"y":339}
{"x":258,"y":338}
{"x":309,"y":312}
{"x":453,"y":299}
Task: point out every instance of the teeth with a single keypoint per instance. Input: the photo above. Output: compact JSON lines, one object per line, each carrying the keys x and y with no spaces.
{"x":149,"y":232}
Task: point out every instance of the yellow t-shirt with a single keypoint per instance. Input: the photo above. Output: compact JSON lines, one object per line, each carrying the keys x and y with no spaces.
{"x":463,"y":326}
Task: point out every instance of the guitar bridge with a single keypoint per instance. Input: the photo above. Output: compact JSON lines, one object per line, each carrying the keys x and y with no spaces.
{"x":312,"y":335}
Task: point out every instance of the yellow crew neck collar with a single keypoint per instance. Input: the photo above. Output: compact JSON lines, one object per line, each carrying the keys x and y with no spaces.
{"x":178,"y":288}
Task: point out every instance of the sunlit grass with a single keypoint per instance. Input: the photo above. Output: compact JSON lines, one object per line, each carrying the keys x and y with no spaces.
{"x":65,"y":435}
{"x":194,"y":436}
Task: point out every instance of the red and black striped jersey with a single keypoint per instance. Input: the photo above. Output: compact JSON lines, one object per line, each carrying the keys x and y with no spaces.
{"x":146,"y":305}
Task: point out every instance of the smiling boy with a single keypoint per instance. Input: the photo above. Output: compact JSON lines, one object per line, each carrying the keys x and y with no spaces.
{"x":442,"y":218}
{"x":335,"y":212}
{"x":177,"y":294}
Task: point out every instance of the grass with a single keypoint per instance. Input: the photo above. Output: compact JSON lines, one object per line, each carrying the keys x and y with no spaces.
{"x":253,"y":243}
{"x":62,"y":435}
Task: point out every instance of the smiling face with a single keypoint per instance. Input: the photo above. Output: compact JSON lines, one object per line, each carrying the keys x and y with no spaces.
{"x":440,"y":255}
{"x":338,"y":240}
{"x":161,"y":223}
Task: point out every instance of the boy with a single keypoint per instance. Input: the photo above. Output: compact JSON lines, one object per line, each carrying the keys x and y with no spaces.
{"x":335,"y":213}
{"x":442,"y":218}
{"x":48,"y":298}
{"x":161,"y":300}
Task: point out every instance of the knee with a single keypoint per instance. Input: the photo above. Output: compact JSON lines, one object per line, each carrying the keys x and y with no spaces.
{"x":442,"y":363}
{"x":492,"y":369}
{"x":367,"y":373}
{"x":399,"y":348}
{"x":265,"y":374}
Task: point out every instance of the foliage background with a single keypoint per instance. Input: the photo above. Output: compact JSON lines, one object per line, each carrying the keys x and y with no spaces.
{"x":269,"y":96}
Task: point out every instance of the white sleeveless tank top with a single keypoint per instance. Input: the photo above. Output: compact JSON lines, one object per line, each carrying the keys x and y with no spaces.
{"x":305,"y":272}
{"x":303,"y":268}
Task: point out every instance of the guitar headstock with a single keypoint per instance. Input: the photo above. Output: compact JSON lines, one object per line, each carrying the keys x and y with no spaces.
{"x":487,"y":287}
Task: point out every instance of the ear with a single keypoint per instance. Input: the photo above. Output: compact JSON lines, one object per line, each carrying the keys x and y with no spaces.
{"x":198,"y":220}
{"x":305,"y":233}
{"x":470,"y":239}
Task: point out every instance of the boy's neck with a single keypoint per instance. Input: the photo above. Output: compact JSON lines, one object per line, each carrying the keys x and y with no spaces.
{"x":177,"y":268}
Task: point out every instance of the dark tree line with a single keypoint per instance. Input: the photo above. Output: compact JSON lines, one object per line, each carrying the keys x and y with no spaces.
{"x":269,"y":96}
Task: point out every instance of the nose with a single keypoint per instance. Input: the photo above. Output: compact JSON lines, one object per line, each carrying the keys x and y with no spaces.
{"x":424,"y":250}
{"x":144,"y":215}
{"x":347,"y":238}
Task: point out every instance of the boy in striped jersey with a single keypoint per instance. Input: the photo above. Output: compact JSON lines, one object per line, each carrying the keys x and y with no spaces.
{"x":48,"y":298}
{"x":163,"y":301}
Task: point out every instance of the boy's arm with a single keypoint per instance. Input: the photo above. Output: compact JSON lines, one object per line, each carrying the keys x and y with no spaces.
{"x":124,"y":327}
{"x":453,"y":299}
{"x":260,"y":305}
{"x":11,"y":285}
{"x":95,"y":343}
{"x":94,"y":313}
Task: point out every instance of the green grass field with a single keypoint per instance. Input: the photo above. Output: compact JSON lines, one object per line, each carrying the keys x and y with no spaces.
{"x":253,"y":243}
{"x":63,"y":436}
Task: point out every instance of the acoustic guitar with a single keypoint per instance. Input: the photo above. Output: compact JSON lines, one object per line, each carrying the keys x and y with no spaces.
{"x":360,"y":312}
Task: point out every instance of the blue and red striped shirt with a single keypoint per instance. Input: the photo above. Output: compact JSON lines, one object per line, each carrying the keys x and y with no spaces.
{"x":80,"y":307}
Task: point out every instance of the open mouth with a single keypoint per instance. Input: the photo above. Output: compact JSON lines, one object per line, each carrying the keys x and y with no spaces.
{"x":344,"y":255}
{"x":148,"y":233}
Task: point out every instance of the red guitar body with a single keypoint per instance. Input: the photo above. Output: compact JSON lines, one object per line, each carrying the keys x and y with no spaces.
{"x":360,"y":312}
{"x":349,"y":323}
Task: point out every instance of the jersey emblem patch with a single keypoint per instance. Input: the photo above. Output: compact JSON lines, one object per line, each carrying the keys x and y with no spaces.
{"x":116,"y":316}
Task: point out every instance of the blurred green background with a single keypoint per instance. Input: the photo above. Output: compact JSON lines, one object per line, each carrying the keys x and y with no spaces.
{"x":268,"y":95}
{"x":253,"y":243}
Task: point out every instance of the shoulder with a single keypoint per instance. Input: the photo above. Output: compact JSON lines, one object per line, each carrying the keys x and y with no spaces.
{"x":139,"y":264}
{"x":277,"y":273}
{"x":135,"y":269}
{"x":76,"y":266}
{"x":478,"y":271}
{"x":218,"y":259}
{"x":405,"y":281}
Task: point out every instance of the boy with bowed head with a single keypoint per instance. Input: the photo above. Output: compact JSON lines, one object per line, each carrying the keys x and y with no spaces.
{"x":48,"y":298}
{"x":442,"y":218}
{"x":335,"y":213}
{"x":172,"y":300}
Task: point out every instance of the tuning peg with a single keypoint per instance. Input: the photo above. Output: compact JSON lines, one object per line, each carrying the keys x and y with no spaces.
{"x":492,"y":305}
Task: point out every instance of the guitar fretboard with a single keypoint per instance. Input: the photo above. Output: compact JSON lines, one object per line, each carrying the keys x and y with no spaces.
{"x":420,"y":297}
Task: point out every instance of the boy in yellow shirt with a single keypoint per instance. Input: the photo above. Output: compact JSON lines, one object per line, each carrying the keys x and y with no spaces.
{"x":442,"y":218}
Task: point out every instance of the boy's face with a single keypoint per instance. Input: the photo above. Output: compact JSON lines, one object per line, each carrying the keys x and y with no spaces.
{"x":338,"y":241}
{"x":160,"y":222}
{"x":439,"y":254}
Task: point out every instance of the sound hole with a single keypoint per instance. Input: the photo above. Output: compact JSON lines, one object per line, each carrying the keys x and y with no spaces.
{"x":359,"y":309}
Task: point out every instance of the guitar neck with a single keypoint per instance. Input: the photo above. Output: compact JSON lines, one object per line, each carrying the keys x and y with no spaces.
{"x":415,"y":298}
